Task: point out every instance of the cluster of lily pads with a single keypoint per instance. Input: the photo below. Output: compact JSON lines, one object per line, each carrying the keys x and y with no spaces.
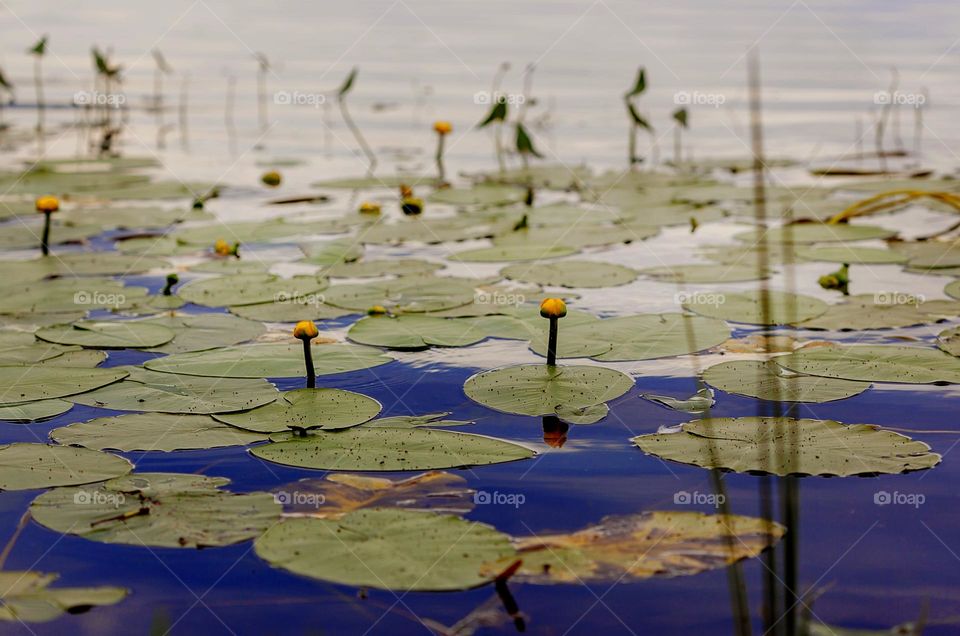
{"x":223,"y":328}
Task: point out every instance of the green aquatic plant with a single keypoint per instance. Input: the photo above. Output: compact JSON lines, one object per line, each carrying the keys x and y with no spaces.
{"x":497,"y":115}
{"x":637,"y":121}
{"x":46,"y":205}
{"x":348,"y":120}
{"x":306,"y":331}
{"x":38,"y":50}
{"x":172,"y":279}
{"x":682,"y":122}
{"x":7,"y":87}
{"x":838,"y":280}
{"x":271,"y":179}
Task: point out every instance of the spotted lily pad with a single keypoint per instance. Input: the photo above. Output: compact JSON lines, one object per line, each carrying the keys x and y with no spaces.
{"x":293,"y":310}
{"x":875,"y":363}
{"x":949,"y":341}
{"x":534,"y":389}
{"x":167,"y":510}
{"x":882,"y":311}
{"x":41,"y":382}
{"x":626,"y":548}
{"x":152,"y":432}
{"x":787,"y":446}
{"x":304,"y":409}
{"x":572,"y":274}
{"x":390,"y":449}
{"x":29,"y":466}
{"x":769,"y":381}
{"x":26,"y":597}
{"x":67,"y":295}
{"x":387,"y":549}
{"x":416,"y":331}
{"x":199,"y":332}
{"x":249,"y":289}
{"x":816,"y":233}
{"x":269,"y":361}
{"x":748,"y":307}
{"x":115,"y":334}
{"x":151,"y":391}
{"x":34,"y":411}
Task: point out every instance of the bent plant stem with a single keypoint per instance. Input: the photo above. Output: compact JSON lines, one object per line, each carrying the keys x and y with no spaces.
{"x":7,"y":549}
{"x":308,"y":362}
{"x":341,"y":102}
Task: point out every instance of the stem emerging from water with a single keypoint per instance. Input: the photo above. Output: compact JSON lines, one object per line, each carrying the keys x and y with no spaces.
{"x":308,"y":361}
{"x":552,"y":343}
{"x":45,"y":241}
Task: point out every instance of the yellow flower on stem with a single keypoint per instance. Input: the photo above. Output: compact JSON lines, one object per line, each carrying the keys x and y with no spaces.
{"x":411,"y":206}
{"x":369,"y":207}
{"x":377,"y":310}
{"x":306,"y":331}
{"x":222,"y":248}
{"x":46,"y":205}
{"x":553,"y":309}
{"x":443,"y":128}
{"x":271,"y":179}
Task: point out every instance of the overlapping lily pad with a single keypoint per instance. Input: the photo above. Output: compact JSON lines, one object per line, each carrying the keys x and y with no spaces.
{"x":115,"y":334}
{"x":269,"y":361}
{"x":573,"y":393}
{"x":26,"y":597}
{"x":387,"y":549}
{"x":787,"y":446}
{"x":882,"y":311}
{"x":749,"y":306}
{"x":390,"y":449}
{"x":34,"y":411}
{"x":410,"y":294}
{"x":385,"y":267}
{"x":876,"y":363}
{"x":306,"y":409}
{"x":766,"y":380}
{"x":153,"y":432}
{"x":67,"y":295}
{"x":572,"y":274}
{"x":851,"y":254}
{"x":817,"y":233}
{"x":250,"y":289}
{"x":199,"y":332}
{"x":28,"y":466}
{"x":167,"y":510}
{"x":293,"y":310}
{"x":481,"y":195}
{"x":41,"y":382}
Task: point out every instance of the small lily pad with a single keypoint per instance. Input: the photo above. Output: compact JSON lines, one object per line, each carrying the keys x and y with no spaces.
{"x":115,"y":334}
{"x":26,"y":597}
{"x":29,"y":466}
{"x":305,"y":409}
{"x":42,"y":382}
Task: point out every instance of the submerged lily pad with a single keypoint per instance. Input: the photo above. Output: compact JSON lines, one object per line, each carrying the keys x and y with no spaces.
{"x":26,"y":597}
{"x":748,"y":307}
{"x":390,"y":449}
{"x":767,"y":380}
{"x":167,"y":510}
{"x":269,"y":361}
{"x":151,"y":391}
{"x":572,"y":274}
{"x":875,"y":363}
{"x":787,"y":446}
{"x":250,"y":289}
{"x":387,"y":549}
{"x":116,"y":334}
{"x":153,"y":432}
{"x":534,"y":389}
{"x":29,"y":466}
{"x":328,"y":409}
{"x":626,"y":548}
{"x":42,"y":382}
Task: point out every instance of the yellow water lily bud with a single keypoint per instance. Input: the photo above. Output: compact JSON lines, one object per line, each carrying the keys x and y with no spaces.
{"x":271,"y":179}
{"x":221,"y":248}
{"x":305,"y":330}
{"x":48,"y":204}
{"x":405,"y":191}
{"x":377,"y":310}
{"x":553,"y":308}
{"x":369,"y":207}
{"x":411,"y":206}
{"x":443,"y":127}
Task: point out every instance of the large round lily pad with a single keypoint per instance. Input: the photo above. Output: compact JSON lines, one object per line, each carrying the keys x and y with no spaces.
{"x":293,"y":310}
{"x":787,"y":446}
{"x":41,"y":382}
{"x":388,"y":549}
{"x":303,"y":409}
{"x":34,"y":411}
{"x":114,"y":334}
{"x":416,"y":331}
{"x":250,"y":289}
{"x":199,"y":332}
{"x":62,"y":295}
{"x":167,"y":510}
{"x":882,"y":311}
{"x":269,"y":361}
{"x":769,"y":381}
{"x":153,"y":432}
{"x":564,"y":391}
{"x":748,"y":307}
{"x":876,"y":363}
{"x":151,"y":391}
{"x":572,"y":274}
{"x":28,"y":466}
{"x":390,"y":449}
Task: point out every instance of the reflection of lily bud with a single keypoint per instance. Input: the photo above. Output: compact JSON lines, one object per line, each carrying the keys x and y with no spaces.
{"x":554,"y":431}
{"x":46,"y":205}
{"x":271,"y":179}
{"x":306,"y":331}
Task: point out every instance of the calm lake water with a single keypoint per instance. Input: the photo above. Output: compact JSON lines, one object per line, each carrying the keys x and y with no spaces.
{"x":822,"y":66}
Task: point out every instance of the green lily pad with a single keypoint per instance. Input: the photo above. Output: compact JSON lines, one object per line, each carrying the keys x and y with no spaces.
{"x":881,"y":311}
{"x":29,"y":466}
{"x":153,"y":432}
{"x":269,"y":361}
{"x":116,"y":334}
{"x":67,"y":295}
{"x":42,"y":382}
{"x":25,"y":233}
{"x":787,"y":446}
{"x":572,"y":274}
{"x":230,"y":266}
{"x":250,"y":289}
{"x":387,"y":549}
{"x":293,"y":310}
{"x":851,"y":254}
{"x":953,"y":289}
{"x":413,"y":421}
{"x":19,"y":347}
{"x":130,"y":217}
{"x":534,"y":389}
{"x":929,"y":255}
{"x":414,"y":331}
{"x":151,"y":391}
{"x":256,"y":231}
{"x":875,"y":363}
{"x":34,"y":411}
{"x":26,"y":597}
{"x":506,"y":253}
{"x":705,"y":273}
{"x":747,"y":307}
{"x":332,"y":252}
{"x":390,"y":449}
{"x":85,"y":358}
{"x":949,"y":341}
{"x":769,"y":381}
{"x":817,"y":233}
{"x":199,"y":332}
{"x":327,"y":409}
{"x":83,"y":264}
{"x":431,"y":231}
{"x":377,"y":268}
{"x":410,"y":294}
{"x":166,"y":510}
{"x":485,"y":195}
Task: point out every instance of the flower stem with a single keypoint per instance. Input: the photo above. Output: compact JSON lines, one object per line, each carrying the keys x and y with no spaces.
{"x":308,"y":361}
{"x":552,"y":343}
{"x":45,"y":241}
{"x":440,"y":170}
